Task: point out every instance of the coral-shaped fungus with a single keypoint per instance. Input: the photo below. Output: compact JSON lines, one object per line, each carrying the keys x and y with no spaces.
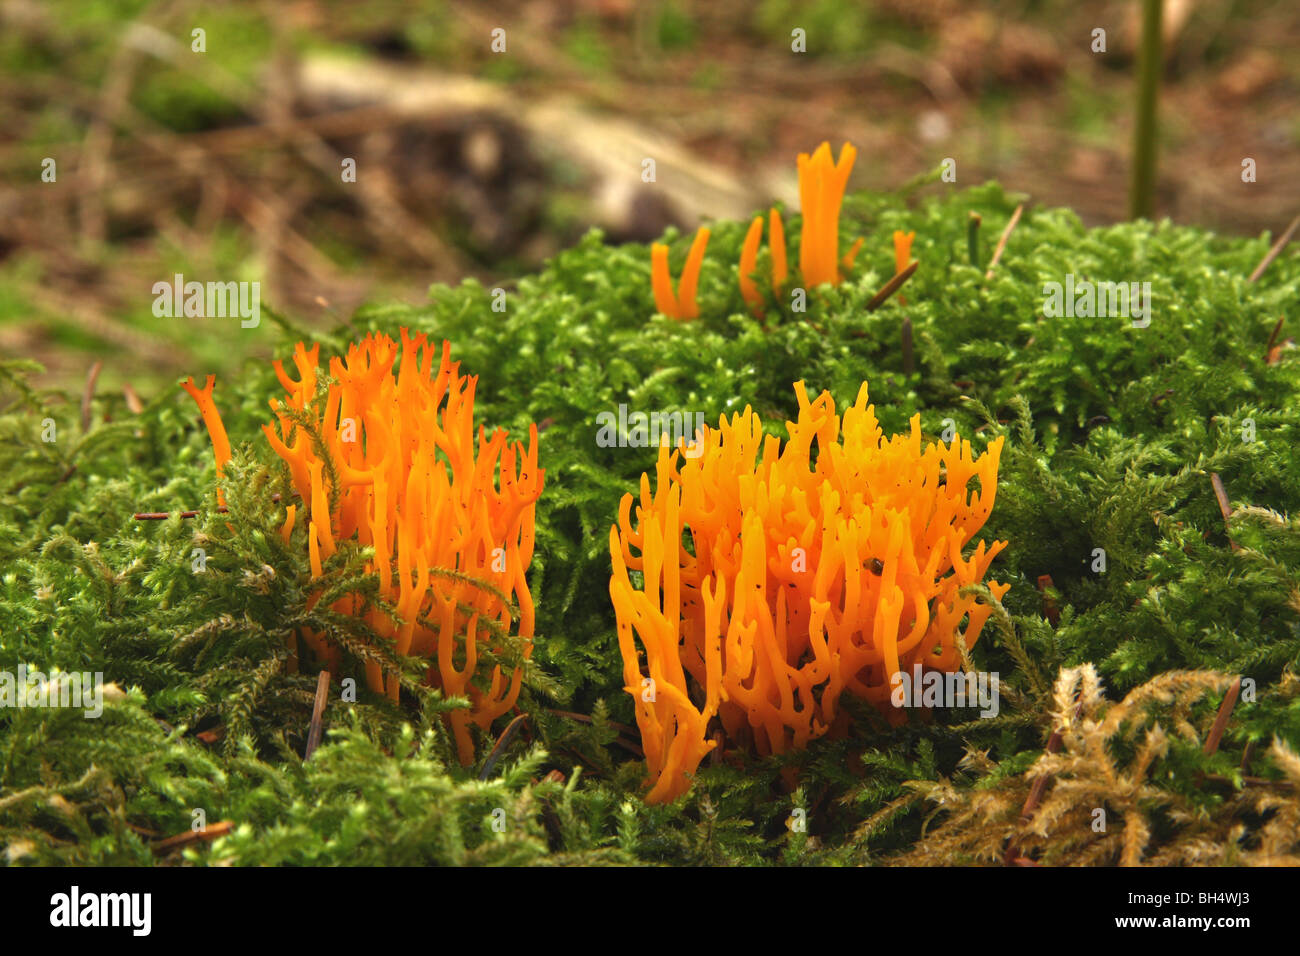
{"x":821,"y":194}
{"x":903,"y":249}
{"x":822,"y":182}
{"x":771,"y":587}
{"x":749,"y":259}
{"x":402,"y":473}
{"x":680,"y":305}
{"x":902,"y":254}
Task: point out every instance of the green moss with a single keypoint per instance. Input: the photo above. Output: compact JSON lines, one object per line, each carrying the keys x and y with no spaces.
{"x":1113,"y":433}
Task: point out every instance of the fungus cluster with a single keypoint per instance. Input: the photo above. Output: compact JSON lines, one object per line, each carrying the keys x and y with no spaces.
{"x":389,"y":457}
{"x":764,"y":581}
{"x":822,"y":182}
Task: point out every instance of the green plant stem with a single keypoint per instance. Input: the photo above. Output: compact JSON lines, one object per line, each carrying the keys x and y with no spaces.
{"x":1142,"y":193}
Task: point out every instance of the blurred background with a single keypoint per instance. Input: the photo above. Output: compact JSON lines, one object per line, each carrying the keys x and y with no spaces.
{"x":221,"y":154}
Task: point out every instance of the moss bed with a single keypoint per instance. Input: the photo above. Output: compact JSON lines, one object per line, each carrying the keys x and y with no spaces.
{"x":1113,"y":435}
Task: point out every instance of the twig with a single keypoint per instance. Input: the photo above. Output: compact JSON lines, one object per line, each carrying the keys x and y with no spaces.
{"x":1270,"y":356}
{"x":317,"y":713}
{"x":583,"y":718}
{"x":164,"y":515}
{"x":88,"y":393}
{"x":502,"y":743}
{"x":1276,"y":250}
{"x":1273,"y":337}
{"x":1002,"y":240}
{"x":973,"y":239}
{"x":1225,"y":508}
{"x":1142,"y":191}
{"x":634,"y":749}
{"x":1036,"y":791}
{"x":1221,"y":721}
{"x":132,"y":399}
{"x":207,"y":834}
{"x":892,"y":286}
{"x":1050,"y":610}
